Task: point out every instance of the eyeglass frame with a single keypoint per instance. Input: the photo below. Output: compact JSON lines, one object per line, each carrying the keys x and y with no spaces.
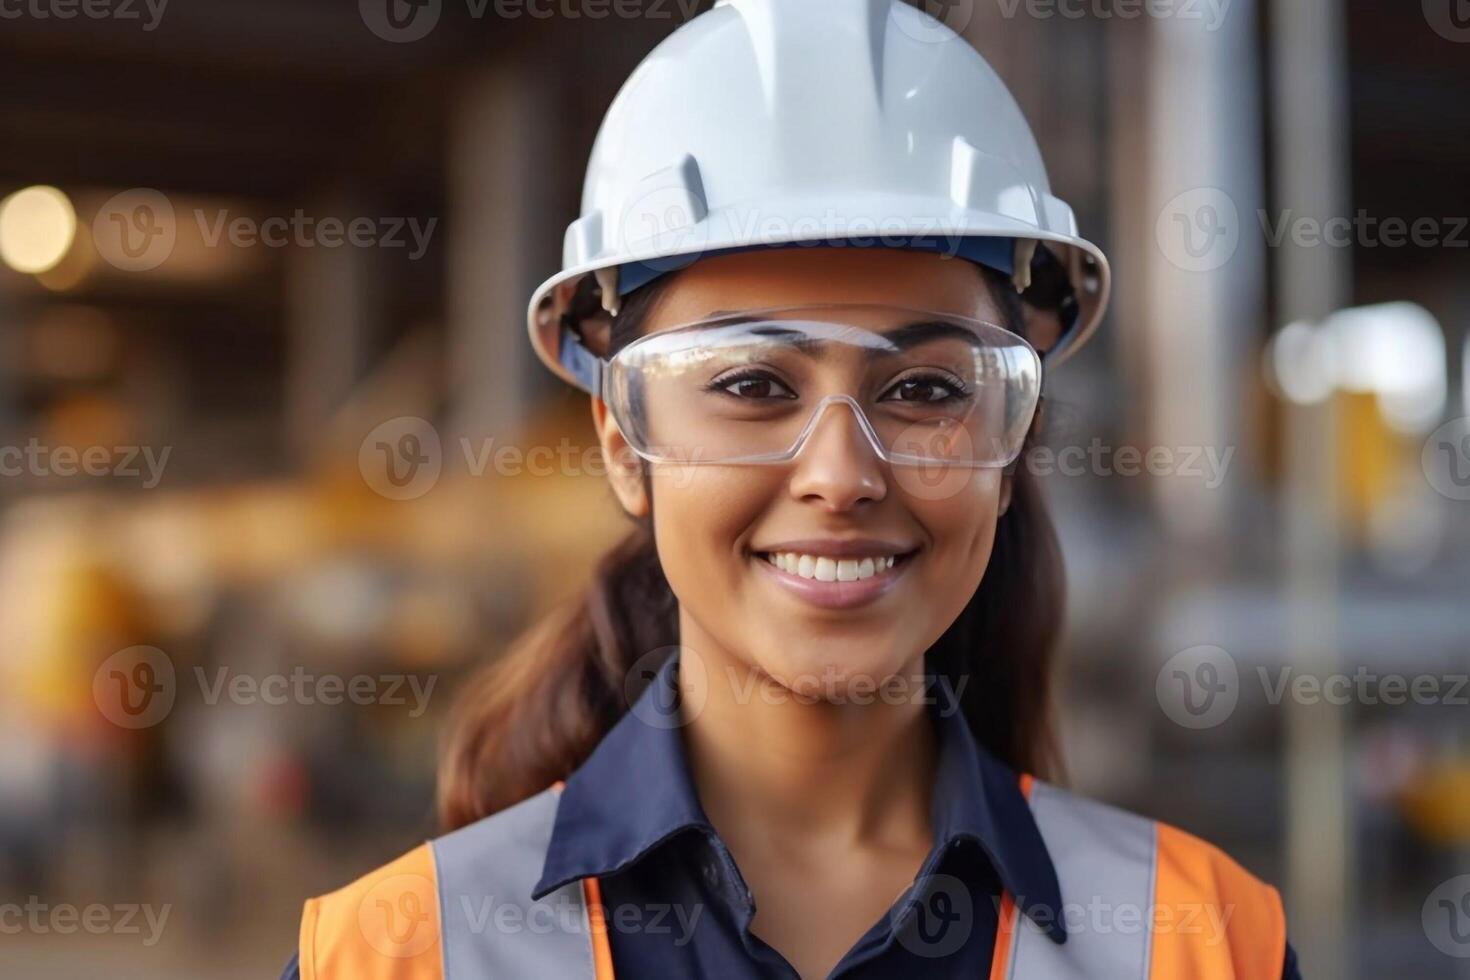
{"x":590,"y":371}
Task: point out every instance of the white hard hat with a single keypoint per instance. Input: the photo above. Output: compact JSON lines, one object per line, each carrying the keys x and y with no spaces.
{"x":774,"y":122}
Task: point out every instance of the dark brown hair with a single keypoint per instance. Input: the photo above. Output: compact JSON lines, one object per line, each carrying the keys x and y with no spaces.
{"x":534,"y":715}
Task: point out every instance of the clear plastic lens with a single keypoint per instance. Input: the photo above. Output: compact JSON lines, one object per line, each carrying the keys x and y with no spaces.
{"x":925,"y":387}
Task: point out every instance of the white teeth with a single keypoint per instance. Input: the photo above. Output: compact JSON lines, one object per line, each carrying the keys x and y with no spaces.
{"x":830,"y":569}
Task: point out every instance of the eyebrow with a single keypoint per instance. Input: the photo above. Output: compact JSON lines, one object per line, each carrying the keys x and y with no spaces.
{"x":900,"y":338}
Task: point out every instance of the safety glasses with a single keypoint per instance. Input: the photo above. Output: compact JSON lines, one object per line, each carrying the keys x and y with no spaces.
{"x":751,"y":388}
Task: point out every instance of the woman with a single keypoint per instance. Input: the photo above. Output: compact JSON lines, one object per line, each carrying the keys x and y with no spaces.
{"x":800,"y":725}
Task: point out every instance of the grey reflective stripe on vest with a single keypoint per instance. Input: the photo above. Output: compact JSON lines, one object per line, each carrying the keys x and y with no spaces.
{"x":1105,"y":860}
{"x":491,"y":930}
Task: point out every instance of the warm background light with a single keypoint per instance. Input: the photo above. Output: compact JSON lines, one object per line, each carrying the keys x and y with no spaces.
{"x":37,"y":226}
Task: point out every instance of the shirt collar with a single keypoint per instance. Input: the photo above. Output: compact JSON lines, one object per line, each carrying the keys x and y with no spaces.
{"x":635,"y":792}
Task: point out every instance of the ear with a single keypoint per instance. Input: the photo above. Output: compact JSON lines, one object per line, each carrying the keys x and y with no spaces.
{"x":624,"y":467}
{"x":1006,"y":482}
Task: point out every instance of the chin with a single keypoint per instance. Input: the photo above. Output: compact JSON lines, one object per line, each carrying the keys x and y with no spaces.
{"x":837,"y":671}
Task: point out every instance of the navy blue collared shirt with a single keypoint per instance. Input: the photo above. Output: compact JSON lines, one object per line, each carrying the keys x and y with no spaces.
{"x":677,"y":906}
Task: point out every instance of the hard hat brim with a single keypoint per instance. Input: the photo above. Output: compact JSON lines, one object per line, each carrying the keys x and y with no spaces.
{"x":1086,"y":265}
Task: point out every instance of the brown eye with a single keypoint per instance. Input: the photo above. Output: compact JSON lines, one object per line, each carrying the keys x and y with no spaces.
{"x":753,"y":386}
{"x":924,"y":389}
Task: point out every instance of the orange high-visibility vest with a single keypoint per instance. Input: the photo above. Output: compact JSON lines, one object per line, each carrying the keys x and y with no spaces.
{"x":1140,"y":899}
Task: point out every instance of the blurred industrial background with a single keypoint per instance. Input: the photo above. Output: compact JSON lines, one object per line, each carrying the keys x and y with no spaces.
{"x":244,"y":246}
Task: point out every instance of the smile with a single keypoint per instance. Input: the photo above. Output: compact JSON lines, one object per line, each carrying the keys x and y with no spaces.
{"x":833,"y":581}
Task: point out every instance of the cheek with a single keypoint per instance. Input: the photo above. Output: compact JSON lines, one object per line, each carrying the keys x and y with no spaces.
{"x":700,"y":517}
{"x":961,"y":527}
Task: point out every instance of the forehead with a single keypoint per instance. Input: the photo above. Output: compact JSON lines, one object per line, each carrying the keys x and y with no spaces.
{"x":768,"y":278}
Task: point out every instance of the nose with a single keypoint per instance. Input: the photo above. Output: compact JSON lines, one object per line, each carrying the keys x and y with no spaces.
{"x":837,"y":467}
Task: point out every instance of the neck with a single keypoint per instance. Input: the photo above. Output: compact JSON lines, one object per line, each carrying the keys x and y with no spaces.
{"x":771,"y":763}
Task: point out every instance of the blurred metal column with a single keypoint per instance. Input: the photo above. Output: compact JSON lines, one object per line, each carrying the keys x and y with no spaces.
{"x":1204,"y":273}
{"x":500,"y":128}
{"x":1310,"y":173}
{"x":334,"y":314}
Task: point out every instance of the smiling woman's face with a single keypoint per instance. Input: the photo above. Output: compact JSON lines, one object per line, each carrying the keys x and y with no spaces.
{"x":727,"y":534}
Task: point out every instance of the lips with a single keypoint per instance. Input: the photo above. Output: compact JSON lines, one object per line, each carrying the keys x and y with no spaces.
{"x":835,"y":574}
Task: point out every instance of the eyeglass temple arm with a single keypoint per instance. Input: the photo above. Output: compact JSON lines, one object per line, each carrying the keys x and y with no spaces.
{"x":583,"y":365}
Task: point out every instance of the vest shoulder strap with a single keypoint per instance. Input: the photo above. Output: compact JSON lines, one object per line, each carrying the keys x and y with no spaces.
{"x":383,"y":926}
{"x":1215,"y":920}
{"x":459,"y":908}
{"x":491,"y":927}
{"x":1140,"y":899}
